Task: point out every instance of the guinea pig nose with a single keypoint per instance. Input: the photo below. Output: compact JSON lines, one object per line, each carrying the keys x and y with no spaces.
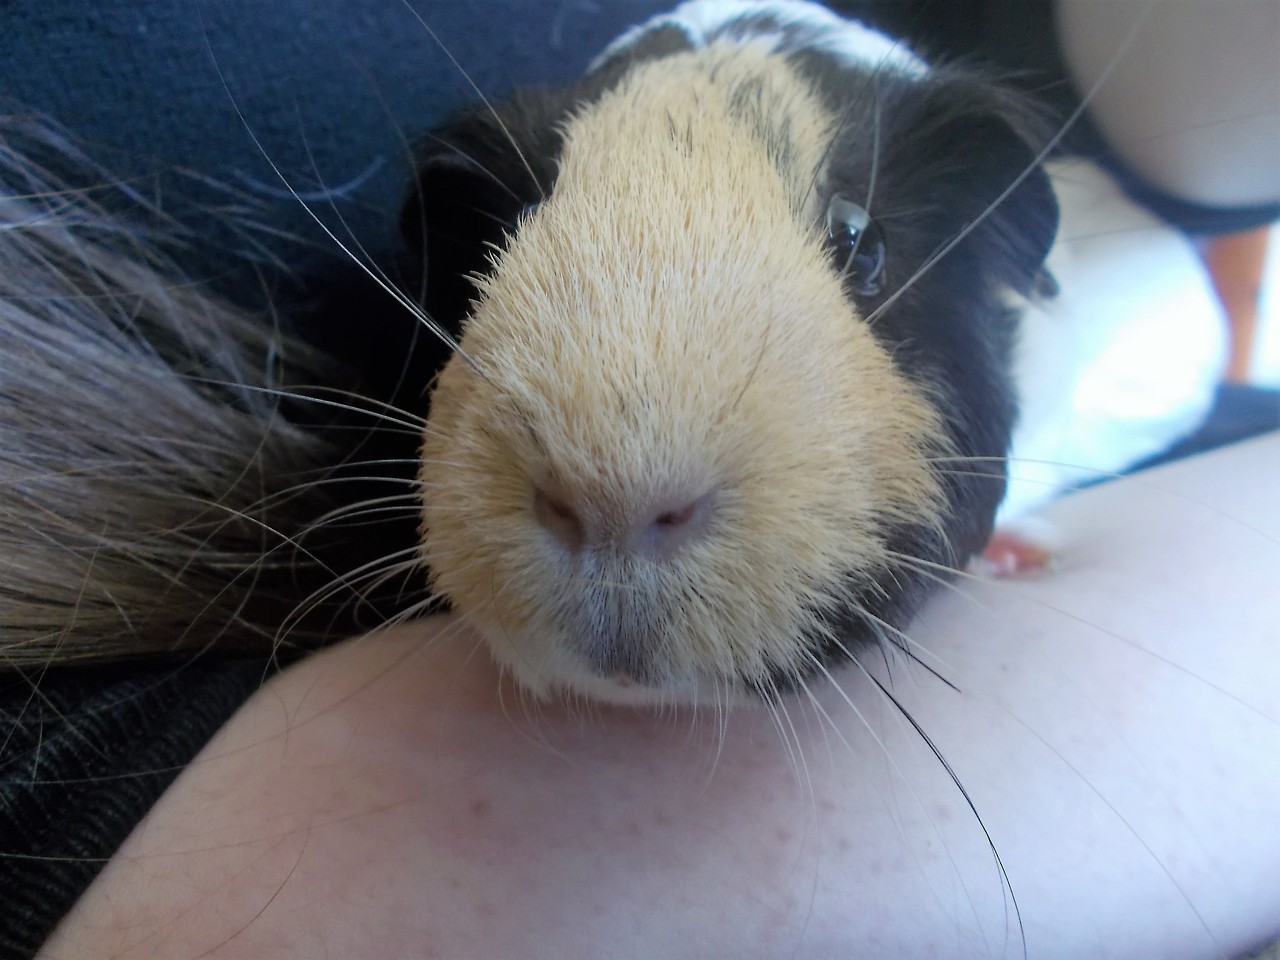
{"x":669,"y":526}
{"x":558,"y":517}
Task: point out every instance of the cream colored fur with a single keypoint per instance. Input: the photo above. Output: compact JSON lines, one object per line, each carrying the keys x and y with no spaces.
{"x":668,"y":322}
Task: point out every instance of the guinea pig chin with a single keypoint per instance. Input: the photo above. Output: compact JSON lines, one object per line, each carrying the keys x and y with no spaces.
{"x":671,"y":456}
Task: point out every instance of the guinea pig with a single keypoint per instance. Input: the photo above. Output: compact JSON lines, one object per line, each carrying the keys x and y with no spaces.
{"x":733,"y":388}
{"x":726,"y":387}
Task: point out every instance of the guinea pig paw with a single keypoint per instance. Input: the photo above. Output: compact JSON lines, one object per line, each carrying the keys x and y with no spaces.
{"x":1024,"y":549}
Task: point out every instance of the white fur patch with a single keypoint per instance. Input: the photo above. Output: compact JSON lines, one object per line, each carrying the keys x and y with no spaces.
{"x":705,"y":21}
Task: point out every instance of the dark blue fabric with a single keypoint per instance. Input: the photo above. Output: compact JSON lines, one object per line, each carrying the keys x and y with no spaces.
{"x":1239,"y":412}
{"x":84,"y":753}
{"x":332,"y":91}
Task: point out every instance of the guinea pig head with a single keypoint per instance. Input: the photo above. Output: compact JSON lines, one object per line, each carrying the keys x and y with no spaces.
{"x":671,"y":461}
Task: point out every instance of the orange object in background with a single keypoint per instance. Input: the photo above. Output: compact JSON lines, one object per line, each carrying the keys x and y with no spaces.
{"x":1235,"y":262}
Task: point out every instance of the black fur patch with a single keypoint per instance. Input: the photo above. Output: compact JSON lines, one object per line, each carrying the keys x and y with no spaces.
{"x":475,"y":176}
{"x":954,"y":160}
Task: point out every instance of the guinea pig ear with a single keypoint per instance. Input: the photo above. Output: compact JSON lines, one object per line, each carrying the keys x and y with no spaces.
{"x":456,"y":211}
{"x":476,"y":175}
{"x":983,"y":146}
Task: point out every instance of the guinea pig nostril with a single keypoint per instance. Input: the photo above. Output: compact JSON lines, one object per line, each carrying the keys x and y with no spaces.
{"x":676,"y":518}
{"x":558,"y":518}
{"x":666,"y":530}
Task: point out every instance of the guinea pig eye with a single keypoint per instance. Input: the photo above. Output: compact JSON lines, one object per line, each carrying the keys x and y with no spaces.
{"x":857,"y":243}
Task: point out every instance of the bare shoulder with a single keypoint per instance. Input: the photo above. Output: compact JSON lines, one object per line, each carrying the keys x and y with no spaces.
{"x":1114,"y":725}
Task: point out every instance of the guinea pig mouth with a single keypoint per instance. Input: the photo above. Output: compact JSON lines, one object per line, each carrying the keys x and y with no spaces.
{"x":629,"y":676}
{"x":627,"y":646}
{"x":646,"y":654}
{"x":618,"y":643}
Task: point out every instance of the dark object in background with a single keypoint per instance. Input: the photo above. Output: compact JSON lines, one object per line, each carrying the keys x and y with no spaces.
{"x":1239,"y":412}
